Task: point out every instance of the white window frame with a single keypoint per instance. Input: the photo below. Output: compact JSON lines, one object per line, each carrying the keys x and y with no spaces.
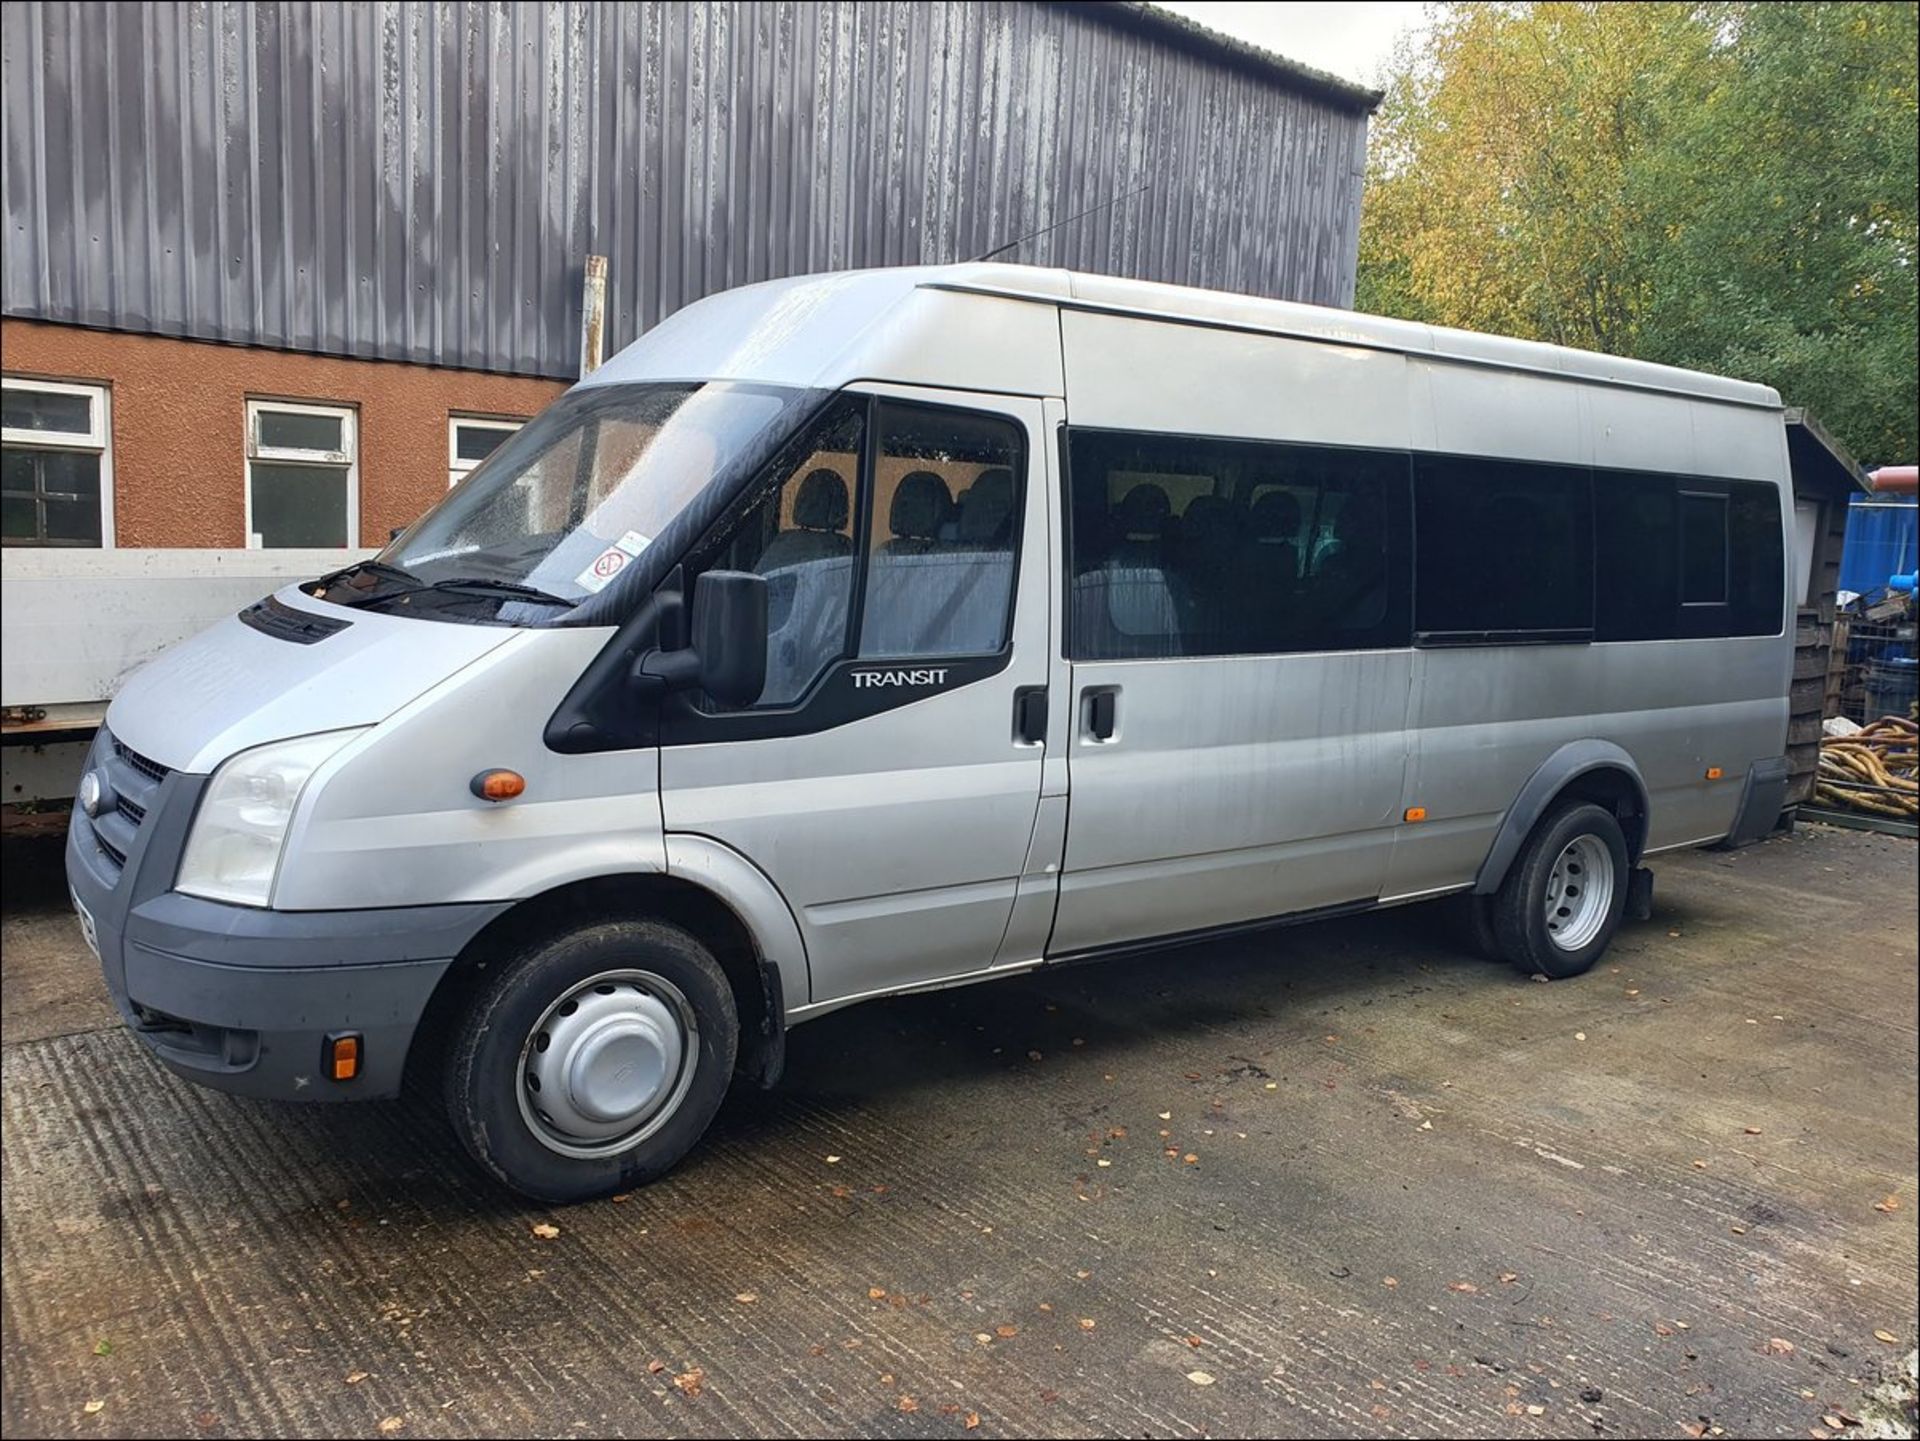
{"x":458,"y":469}
{"x":98,"y":440}
{"x":346,"y":460}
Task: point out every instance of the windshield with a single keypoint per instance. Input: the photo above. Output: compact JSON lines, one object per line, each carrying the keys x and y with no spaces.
{"x":579,"y":494}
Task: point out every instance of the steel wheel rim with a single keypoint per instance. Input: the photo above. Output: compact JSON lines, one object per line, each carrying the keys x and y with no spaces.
{"x":1579,"y":893}
{"x":607,"y":1064}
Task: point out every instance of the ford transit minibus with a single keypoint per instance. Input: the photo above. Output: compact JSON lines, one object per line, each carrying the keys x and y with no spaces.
{"x":873,"y":632}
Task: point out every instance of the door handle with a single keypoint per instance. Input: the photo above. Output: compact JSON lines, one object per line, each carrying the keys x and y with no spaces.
{"x":1030,"y":715}
{"x":1102,"y":713}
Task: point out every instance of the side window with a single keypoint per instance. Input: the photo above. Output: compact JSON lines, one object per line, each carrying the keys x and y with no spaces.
{"x":1757,"y":570}
{"x":799,"y":535}
{"x":1703,"y":548}
{"x":1504,"y":550}
{"x":1636,"y":540}
{"x":946,"y":500}
{"x":1190,"y":546}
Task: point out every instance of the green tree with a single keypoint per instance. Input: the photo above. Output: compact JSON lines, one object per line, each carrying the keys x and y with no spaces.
{"x":1727,"y":186}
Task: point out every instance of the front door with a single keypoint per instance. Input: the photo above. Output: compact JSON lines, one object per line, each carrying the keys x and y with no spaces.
{"x":888,"y":779}
{"x":1238,"y":620}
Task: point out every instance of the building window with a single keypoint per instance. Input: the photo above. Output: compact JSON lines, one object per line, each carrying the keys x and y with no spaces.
{"x":471,"y":439}
{"x":56,"y":468}
{"x":303,"y":476}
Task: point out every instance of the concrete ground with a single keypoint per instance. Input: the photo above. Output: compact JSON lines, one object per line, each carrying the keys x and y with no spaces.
{"x":1337,"y":1180}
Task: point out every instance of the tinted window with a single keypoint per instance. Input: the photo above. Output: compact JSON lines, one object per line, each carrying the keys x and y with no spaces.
{"x":1703,"y":549}
{"x":1504,"y":550}
{"x":1189,"y":546}
{"x":946,"y":499}
{"x":1637,"y":555}
{"x":1757,"y":564}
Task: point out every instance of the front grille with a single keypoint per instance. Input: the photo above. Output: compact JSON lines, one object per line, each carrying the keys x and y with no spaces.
{"x":152,"y":770}
{"x":135,"y":785}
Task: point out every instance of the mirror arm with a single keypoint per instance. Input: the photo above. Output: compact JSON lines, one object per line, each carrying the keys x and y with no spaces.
{"x":674,"y":669}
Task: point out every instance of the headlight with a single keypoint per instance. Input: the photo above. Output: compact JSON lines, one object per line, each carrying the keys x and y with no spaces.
{"x":235,"y":842}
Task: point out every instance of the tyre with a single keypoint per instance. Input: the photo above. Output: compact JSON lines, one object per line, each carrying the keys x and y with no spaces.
{"x":1472,"y":920}
{"x":1562,"y":901}
{"x":592,"y":1062}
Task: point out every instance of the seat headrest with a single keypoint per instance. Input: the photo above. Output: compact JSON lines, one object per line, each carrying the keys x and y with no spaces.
{"x":821,"y":503}
{"x":986,"y":510}
{"x":921,"y":506}
{"x":1275,"y":516}
{"x":1143,"y":511}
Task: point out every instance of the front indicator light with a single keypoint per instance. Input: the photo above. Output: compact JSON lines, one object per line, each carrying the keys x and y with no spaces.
{"x":343,"y":1055}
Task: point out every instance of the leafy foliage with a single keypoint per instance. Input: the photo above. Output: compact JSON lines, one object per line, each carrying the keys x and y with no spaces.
{"x":1726,"y":186}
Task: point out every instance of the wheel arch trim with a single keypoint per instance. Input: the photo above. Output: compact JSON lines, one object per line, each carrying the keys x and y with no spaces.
{"x":1543,"y":787}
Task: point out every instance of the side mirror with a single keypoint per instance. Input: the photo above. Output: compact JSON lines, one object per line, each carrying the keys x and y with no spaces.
{"x":727,"y":655}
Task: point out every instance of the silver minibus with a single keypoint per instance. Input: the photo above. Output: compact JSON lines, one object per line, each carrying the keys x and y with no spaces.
{"x":874,"y":632}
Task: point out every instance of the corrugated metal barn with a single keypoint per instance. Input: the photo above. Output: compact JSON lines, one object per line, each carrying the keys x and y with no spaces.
{"x":423,"y":182}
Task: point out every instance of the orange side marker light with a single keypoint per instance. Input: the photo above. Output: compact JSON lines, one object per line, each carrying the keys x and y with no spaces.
{"x":497,"y":785}
{"x":1714,"y":773}
{"x":1415,"y":813}
{"x":343,"y":1056}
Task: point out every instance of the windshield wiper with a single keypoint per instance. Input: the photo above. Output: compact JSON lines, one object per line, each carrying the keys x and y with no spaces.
{"x":375,"y":567}
{"x":462,"y":585}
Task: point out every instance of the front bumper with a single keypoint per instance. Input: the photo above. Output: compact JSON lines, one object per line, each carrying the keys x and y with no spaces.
{"x":238,"y":998}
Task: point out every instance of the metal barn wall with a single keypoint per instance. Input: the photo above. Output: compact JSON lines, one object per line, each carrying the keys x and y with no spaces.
{"x":422,"y":181}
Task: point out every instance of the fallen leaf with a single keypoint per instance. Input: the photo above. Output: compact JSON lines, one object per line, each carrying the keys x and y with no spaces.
{"x":205,"y":1419}
{"x":907,"y":1404}
{"x":1195,"y":1342}
{"x":746,"y":1298}
{"x":1426,"y":1125}
{"x":1389,"y":1281}
{"x":1890,"y":1204}
{"x":1379,"y":1412}
{"x":1579,"y":1035}
{"x":1695,"y":1430}
{"x":93,"y":1408}
{"x":983,"y":1338}
{"x":1887,"y":1336}
{"x":973,"y":1420}
{"x":621,"y":1199}
{"x":545,"y":1230}
{"x":689,"y":1382}
{"x":354,"y":1378}
{"x":1507,"y":1278}
{"x":1660,"y":1328}
{"x":1200,"y":1378}
{"x":833,"y":1160}
{"x":876,"y":1293}
{"x":1780,"y":1346}
{"x":1699,"y":1165}
{"x":1834,"y":1421}
{"x":654,"y":1368}
{"x":1465,"y":1288}
{"x":392,"y":1424}
{"x":1753,"y":1130}
{"x":1086,"y":1323}
{"x":1006,"y":1332}
{"x":103,"y":1347}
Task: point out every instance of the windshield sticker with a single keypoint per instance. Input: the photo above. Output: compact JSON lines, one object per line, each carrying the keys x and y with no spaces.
{"x":610,"y":562}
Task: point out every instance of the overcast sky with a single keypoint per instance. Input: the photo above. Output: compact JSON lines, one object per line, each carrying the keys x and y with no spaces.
{"x":1351,"y":38}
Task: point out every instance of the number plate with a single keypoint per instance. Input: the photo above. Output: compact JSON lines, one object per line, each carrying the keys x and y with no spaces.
{"x":86,"y":925}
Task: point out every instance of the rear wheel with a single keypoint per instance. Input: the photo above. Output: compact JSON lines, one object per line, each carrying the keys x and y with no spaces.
{"x":1562,"y":901}
{"x":593,"y":1062}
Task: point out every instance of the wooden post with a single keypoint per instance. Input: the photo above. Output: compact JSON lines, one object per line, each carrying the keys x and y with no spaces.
{"x":593,"y":315}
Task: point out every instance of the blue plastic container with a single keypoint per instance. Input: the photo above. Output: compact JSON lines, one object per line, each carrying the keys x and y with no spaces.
{"x":1880,"y":544}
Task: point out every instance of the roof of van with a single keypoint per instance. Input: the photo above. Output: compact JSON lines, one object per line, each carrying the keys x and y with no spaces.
{"x":1117,"y":294}
{"x":789,"y":311}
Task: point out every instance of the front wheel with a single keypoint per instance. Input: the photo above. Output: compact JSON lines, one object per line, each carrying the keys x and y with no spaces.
{"x":1562,"y":901}
{"x":593,"y":1062}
